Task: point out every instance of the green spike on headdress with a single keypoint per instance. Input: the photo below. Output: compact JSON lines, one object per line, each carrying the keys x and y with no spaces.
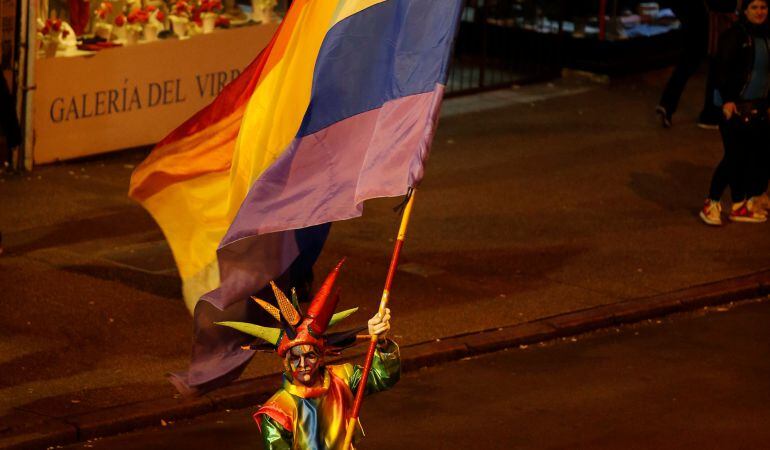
{"x":340,"y":316}
{"x":287,"y":310}
{"x":269,"y":335}
{"x":272,"y":310}
{"x":295,"y":301}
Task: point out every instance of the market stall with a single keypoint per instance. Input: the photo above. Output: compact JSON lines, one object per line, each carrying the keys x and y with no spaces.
{"x":104,"y":90}
{"x":501,"y":43}
{"x":608,"y":35}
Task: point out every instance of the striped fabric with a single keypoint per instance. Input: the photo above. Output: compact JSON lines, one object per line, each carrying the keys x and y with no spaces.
{"x":339,"y":108}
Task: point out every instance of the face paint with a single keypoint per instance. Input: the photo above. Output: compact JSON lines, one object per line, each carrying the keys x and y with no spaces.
{"x":303,"y":363}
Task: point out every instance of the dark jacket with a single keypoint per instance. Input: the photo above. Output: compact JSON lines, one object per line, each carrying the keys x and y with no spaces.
{"x":735,"y":60}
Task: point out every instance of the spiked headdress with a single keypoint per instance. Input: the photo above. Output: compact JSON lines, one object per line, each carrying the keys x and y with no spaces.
{"x":298,"y":329}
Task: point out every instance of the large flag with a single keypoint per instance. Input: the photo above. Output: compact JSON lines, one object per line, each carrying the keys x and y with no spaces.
{"x":340,"y":107}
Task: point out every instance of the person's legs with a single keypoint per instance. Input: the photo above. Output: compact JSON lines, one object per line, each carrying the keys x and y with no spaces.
{"x":711,"y":213}
{"x":739,"y":175}
{"x":9,"y":125}
{"x":694,"y":18}
{"x":711,"y":114}
{"x":742,"y":178}
{"x":685,"y":68}
{"x":724,"y":171}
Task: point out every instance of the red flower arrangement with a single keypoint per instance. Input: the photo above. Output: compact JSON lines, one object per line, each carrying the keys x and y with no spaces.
{"x":52,"y":28}
{"x":182,"y":9}
{"x":120,"y":20}
{"x":137,"y":15}
{"x":104,"y":10}
{"x":50,"y":36}
{"x":210,"y":6}
{"x":159,"y":15}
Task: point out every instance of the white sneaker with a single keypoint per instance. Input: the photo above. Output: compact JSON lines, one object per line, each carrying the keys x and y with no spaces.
{"x":761,"y":203}
{"x":746,"y":212}
{"x":711,"y":213}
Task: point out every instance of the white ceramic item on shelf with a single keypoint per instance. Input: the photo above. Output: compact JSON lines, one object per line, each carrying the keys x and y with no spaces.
{"x":209,"y":21}
{"x":103,"y":30}
{"x":267,"y":15}
{"x":259,"y":13}
{"x":179,"y":25}
{"x":119,"y":33}
{"x":150,"y":33}
{"x":132,"y":37}
{"x":50,"y":47}
{"x":68,"y":43}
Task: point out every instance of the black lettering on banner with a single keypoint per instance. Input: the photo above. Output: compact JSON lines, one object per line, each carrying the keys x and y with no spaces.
{"x":130,"y":97}
{"x":99,"y":103}
{"x":84,"y":107}
{"x":124,"y":95}
{"x":153,"y":94}
{"x":168,"y":86}
{"x":179,"y":98}
{"x":112,"y":101}
{"x":221,"y":81}
{"x":135,"y":100}
{"x":57,"y":110}
{"x":72,"y":110}
{"x":201,"y":86}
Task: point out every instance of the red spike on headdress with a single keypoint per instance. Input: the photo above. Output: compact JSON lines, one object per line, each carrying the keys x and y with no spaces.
{"x":322,"y":307}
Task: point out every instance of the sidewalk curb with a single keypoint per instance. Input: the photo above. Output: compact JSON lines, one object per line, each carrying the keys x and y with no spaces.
{"x":37,"y":432}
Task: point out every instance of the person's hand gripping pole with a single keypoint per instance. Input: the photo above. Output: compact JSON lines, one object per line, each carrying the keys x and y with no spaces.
{"x":379,"y":326}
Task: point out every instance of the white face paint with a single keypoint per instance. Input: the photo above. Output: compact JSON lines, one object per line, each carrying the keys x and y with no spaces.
{"x":303,"y":363}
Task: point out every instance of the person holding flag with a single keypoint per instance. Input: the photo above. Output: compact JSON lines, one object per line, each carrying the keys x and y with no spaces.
{"x":340,"y":107}
{"x":312,"y":408}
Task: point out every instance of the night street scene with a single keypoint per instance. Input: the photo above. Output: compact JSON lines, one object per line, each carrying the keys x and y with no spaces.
{"x":523,"y":224}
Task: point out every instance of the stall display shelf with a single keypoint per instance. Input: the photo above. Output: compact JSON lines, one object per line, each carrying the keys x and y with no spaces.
{"x":134,"y":95}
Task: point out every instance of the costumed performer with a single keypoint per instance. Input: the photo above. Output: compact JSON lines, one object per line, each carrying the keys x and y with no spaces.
{"x":312,"y":408}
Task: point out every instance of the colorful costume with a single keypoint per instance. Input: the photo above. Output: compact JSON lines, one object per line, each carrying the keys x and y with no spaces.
{"x":297,"y":417}
{"x":304,"y":415}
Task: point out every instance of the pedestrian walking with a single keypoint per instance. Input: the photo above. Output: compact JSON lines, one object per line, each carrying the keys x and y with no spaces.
{"x":10,"y":132}
{"x":693,"y":15}
{"x":9,"y":125}
{"x":742,"y":77}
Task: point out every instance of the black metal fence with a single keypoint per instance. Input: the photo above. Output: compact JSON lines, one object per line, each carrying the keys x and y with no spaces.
{"x":504,"y":42}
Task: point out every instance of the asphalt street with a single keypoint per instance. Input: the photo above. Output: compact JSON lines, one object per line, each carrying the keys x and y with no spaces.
{"x":689,"y":381}
{"x":539,"y":201}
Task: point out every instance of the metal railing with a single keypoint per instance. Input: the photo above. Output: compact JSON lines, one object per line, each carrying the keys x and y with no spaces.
{"x":504,"y":42}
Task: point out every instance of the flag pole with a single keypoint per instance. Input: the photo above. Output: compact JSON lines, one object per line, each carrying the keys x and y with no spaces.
{"x":353,"y":420}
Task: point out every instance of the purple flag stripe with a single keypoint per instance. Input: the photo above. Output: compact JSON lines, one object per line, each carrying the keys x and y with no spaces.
{"x":326,"y":176}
